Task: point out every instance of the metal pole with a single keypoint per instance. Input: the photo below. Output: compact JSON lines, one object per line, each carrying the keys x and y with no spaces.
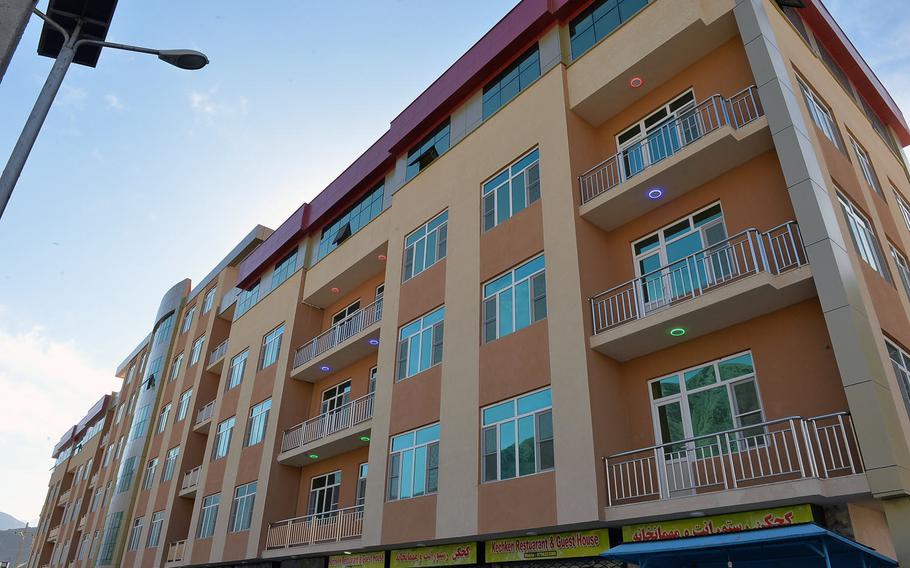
{"x":36,"y":119}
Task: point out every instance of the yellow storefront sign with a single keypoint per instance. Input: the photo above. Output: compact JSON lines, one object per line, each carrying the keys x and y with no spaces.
{"x":361,"y":560}
{"x":430,"y":556}
{"x":549,"y":546}
{"x":718,"y":524}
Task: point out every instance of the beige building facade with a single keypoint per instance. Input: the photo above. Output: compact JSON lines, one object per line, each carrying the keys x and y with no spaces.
{"x":630,"y":274}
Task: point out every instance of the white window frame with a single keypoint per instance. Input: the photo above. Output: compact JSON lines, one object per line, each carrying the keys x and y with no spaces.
{"x":208,"y":515}
{"x":271,"y":347}
{"x":209,"y":300}
{"x":284,"y":268}
{"x":433,"y":233}
{"x":865,"y":165}
{"x":903,"y":269}
{"x":196,"y":353}
{"x":323,"y":501}
{"x":183,"y":404}
{"x":170,"y":463}
{"x":362,"y":472}
{"x":903,"y":206}
{"x":188,"y":320}
{"x":175,"y":366}
{"x":821,"y":115}
{"x":238,"y":367}
{"x":864,"y":238}
{"x":432,"y":323}
{"x":163,"y":417}
{"x":509,"y":293}
{"x":242,"y":507}
{"x":900,"y":362}
{"x":679,"y":106}
{"x":223,"y":436}
{"x":151,"y":468}
{"x":155,"y":525}
{"x":135,"y":534}
{"x":500,"y":190}
{"x":511,"y":423}
{"x":258,"y":422}
{"x":397,"y":457}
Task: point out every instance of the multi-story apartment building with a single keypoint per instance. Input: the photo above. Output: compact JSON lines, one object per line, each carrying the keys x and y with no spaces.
{"x":628,"y":278}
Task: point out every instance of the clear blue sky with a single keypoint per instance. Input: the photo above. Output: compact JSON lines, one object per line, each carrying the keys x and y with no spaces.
{"x":145,"y":174}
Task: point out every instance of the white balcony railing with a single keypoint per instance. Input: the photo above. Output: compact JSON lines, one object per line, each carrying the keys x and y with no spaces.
{"x":340,"y":332}
{"x":176,"y":551}
{"x":324,"y":527}
{"x":708,"y":116}
{"x":345,"y":416}
{"x":218,"y":352}
{"x":205,"y":412}
{"x":742,"y":255}
{"x":190,"y":479}
{"x":777,"y":451}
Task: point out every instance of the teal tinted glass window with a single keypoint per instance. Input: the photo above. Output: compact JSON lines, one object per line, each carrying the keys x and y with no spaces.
{"x":599,"y":21}
{"x":514,"y":79}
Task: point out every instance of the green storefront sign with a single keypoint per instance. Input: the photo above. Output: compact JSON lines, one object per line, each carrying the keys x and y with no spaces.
{"x":577,"y":544}
{"x":431,"y":556}
{"x":718,"y":524}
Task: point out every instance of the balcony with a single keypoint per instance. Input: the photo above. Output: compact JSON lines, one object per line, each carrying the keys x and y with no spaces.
{"x":347,"y":341}
{"x":63,"y":498}
{"x":228,"y":303}
{"x":190,"y":482}
{"x":714,"y":137}
{"x":176,"y":552}
{"x":53,"y":533}
{"x":216,"y":357}
{"x":94,"y":480}
{"x":656,"y":44}
{"x":81,"y":526}
{"x":814,"y":456}
{"x":747,"y":275}
{"x":333,"y":526}
{"x":332,"y":433}
{"x":204,"y":418}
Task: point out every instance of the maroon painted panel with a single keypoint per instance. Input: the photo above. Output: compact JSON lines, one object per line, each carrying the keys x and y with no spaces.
{"x":65,"y":440}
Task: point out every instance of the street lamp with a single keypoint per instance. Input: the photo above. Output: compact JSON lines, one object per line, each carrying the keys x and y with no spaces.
{"x":73,"y":40}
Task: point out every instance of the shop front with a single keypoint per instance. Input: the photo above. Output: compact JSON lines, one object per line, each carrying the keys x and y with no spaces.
{"x":578,"y":549}
{"x":770,"y":538}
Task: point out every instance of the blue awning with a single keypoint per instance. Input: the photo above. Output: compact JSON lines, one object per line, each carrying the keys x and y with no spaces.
{"x":806,"y":546}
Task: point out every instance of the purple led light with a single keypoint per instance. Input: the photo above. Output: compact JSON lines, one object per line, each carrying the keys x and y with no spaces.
{"x":373,"y":342}
{"x":325,"y":368}
{"x":656,"y":193}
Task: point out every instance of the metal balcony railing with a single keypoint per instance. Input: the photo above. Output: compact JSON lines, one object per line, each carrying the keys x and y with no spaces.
{"x":776,"y":451}
{"x":218,"y":352}
{"x":744,"y":254}
{"x":53,"y":533}
{"x":205,"y":412}
{"x":708,"y":116}
{"x":176,"y":551}
{"x":345,"y":416}
{"x":190,"y":479}
{"x":332,"y":526}
{"x":64,"y":497}
{"x":340,"y":332}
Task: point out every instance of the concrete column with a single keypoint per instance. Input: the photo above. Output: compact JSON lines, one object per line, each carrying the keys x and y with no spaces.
{"x":852,"y":325}
{"x":13,"y":18}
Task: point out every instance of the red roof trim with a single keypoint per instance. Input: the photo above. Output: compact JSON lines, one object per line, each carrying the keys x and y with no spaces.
{"x":861,"y":75}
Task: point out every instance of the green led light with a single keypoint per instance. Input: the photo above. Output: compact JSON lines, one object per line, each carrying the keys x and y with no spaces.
{"x":314,"y":456}
{"x":678,"y":331}
{"x":364,"y":438}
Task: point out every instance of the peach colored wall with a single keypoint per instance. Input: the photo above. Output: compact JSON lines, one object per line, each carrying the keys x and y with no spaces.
{"x":409,"y":520}
{"x":366,"y":293}
{"x":425,"y":292}
{"x":349,"y":465}
{"x":507,"y":244}
{"x":516,"y":504}
{"x":359,"y":375}
{"x":515,"y":364}
{"x":415,"y":401}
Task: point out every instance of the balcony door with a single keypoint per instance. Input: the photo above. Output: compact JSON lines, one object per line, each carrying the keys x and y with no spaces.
{"x":681,"y":260}
{"x":345,"y":324}
{"x":660,"y":134}
{"x":324,"y":491}
{"x":335,"y":410}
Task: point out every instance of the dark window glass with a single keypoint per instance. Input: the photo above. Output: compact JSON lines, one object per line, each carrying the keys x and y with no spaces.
{"x":510,"y":82}
{"x":352,"y":220}
{"x":599,"y":20}
{"x":430,"y":148}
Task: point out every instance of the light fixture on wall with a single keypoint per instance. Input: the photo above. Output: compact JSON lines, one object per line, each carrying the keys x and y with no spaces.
{"x":636,"y":82}
{"x":655,"y":193}
{"x":677,"y":331}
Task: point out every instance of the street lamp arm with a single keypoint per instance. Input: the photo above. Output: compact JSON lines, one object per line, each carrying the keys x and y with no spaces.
{"x":52,"y":23}
{"x":124,"y":47}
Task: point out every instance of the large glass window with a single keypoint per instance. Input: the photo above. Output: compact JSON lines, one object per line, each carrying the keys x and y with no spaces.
{"x":209,"y":300}
{"x":259,"y":420}
{"x":238,"y":365}
{"x":155,"y":529}
{"x":512,"y":81}
{"x":170,"y":462}
{"x":352,"y":220}
{"x":140,"y":422}
{"x":518,"y":436}
{"x":515,"y":300}
{"x":188,"y":320}
{"x":175,"y":366}
{"x":430,"y":148}
{"x":426,"y":246}
{"x":208,"y":515}
{"x":903,"y":270}
{"x":710,"y":398}
{"x":223,"y":438}
{"x":662,"y":133}
{"x":673,"y":261}
{"x":362,"y":473}
{"x":285,"y":267}
{"x":271,"y":345}
{"x":196,"y":353}
{"x":150,"y":470}
{"x":247,"y":299}
{"x":864,"y":238}
{"x":324,"y":491}
{"x":511,"y":190}
{"x":900,"y":360}
{"x":414,"y":463}
{"x":162,"y":418}
{"x":184,"y":404}
{"x":865,"y":164}
{"x":127,"y":470}
{"x":135,"y":534}
{"x":821,"y":115}
{"x":420,"y":344}
{"x":242,"y":510}
{"x":599,"y":21}
{"x":903,"y":206}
